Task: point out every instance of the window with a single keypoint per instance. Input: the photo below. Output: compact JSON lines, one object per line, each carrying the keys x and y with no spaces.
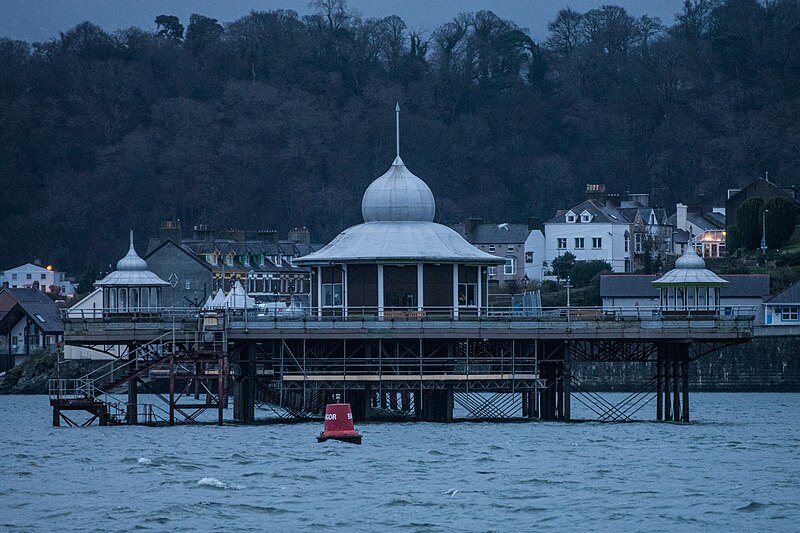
{"x":510,"y":249}
{"x":562,"y":243}
{"x":597,"y":242}
{"x":467,"y":294}
{"x":246,"y":260}
{"x":13,"y":276}
{"x":40,"y":318}
{"x":331,"y":294}
{"x":586,"y":217}
{"x":229,"y":260}
{"x":510,"y":267}
{"x":491,"y":247}
{"x":14,"y":341}
{"x":789,"y":313}
{"x":28,"y":276}
{"x":637,"y":239}
{"x":44,"y":276}
{"x":529,"y":257}
{"x":492,"y":270}
{"x":570,"y":217}
{"x":188,"y":284}
{"x":579,"y":243}
{"x":212,"y":258}
{"x":627,"y":242}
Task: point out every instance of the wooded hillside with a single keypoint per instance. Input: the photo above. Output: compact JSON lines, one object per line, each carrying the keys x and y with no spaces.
{"x":276,"y":120}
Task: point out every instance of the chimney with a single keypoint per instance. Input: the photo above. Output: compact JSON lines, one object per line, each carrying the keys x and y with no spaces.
{"x":237,"y":235}
{"x":612,"y":200}
{"x":170,"y":230}
{"x":471,"y":225}
{"x":535,"y":223}
{"x":642,"y":198}
{"x":596,"y":191}
{"x":300,"y":235}
{"x":268,"y":235}
{"x":680,"y":217}
{"x":37,"y":262}
{"x":5,"y":284}
{"x":203,"y":232}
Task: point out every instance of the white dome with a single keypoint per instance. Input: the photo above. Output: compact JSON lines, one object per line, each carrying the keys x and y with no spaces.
{"x":398,"y":196}
{"x":132,"y":262}
{"x":131,"y":272}
{"x":690,"y":260}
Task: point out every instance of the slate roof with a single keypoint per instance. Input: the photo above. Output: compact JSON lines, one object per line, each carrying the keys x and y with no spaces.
{"x":790,"y":295}
{"x":41,"y":309}
{"x":706,"y":221}
{"x":602,"y":213}
{"x":486,"y":233}
{"x":640,"y":286}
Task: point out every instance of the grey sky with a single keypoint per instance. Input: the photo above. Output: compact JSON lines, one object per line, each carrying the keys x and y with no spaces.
{"x":37,"y":20}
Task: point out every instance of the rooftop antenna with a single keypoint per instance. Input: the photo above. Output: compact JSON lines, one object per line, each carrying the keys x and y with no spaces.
{"x":397,"y":126}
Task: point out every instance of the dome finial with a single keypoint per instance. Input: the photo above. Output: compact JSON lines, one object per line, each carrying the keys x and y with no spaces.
{"x":131,"y":247}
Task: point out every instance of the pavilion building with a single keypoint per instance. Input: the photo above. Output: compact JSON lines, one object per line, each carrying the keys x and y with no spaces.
{"x":399,"y":263}
{"x":131,"y":288}
{"x":690,"y":286}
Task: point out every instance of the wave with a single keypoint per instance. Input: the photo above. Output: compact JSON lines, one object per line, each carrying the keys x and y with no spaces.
{"x":217,"y":484}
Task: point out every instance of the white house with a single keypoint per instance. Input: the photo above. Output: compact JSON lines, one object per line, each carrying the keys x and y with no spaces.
{"x":783,"y":309}
{"x":592,"y":230}
{"x":705,"y":231}
{"x":31,"y":276}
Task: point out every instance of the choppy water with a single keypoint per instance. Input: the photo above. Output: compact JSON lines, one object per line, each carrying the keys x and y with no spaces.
{"x":736,"y":468}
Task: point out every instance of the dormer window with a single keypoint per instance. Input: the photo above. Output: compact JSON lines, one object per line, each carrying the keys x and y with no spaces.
{"x":586,"y":216}
{"x":246,"y":260}
{"x":571,"y":217}
{"x":229,"y":260}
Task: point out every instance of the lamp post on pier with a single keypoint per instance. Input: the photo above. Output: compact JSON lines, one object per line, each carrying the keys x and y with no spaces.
{"x":764,"y":233}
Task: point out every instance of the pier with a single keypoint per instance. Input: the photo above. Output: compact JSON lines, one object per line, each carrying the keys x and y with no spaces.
{"x":493,"y":363}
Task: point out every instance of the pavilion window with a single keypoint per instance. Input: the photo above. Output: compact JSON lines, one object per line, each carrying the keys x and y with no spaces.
{"x":332,"y":294}
{"x":112,"y":298}
{"x":123,"y":300}
{"x":468,"y":294}
{"x":680,"y":303}
{"x":145,"y":298}
{"x":702,"y":298}
{"x":670,"y":298}
{"x":134,"y":299}
{"x":691,"y":297}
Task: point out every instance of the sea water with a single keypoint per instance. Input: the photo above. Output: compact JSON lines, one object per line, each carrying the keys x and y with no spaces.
{"x":736,"y":467}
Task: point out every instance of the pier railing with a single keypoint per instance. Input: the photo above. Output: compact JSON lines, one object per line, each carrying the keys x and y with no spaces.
{"x":259,"y":314}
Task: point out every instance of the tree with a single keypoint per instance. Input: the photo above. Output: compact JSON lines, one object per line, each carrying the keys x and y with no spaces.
{"x":562,"y":265}
{"x":748,"y":223}
{"x":202,"y":31}
{"x":780,"y":220}
{"x":565,"y":32}
{"x":170,"y":27}
{"x":583,"y":272}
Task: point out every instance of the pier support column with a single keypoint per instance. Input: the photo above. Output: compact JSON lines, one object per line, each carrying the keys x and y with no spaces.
{"x":667,"y":403}
{"x":437,"y":405}
{"x":359,"y":402}
{"x":659,"y":385}
{"x":685,"y":384}
{"x":405,"y":401}
{"x":56,"y":416}
{"x":566,"y":383}
{"x":172,"y":389}
{"x":676,"y":407}
{"x":132,"y":407}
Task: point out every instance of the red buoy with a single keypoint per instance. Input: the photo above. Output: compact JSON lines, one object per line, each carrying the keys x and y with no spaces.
{"x":339,"y":424}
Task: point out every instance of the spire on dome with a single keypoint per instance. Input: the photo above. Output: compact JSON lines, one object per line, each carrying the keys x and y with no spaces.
{"x":132,"y":261}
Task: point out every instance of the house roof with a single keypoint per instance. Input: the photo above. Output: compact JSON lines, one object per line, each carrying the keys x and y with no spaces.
{"x":182,"y":249}
{"x":705,"y":221}
{"x":602,"y":213}
{"x":39,"y":308}
{"x":640,"y":286}
{"x":485,"y":233}
{"x":28,"y":267}
{"x":790,"y":295}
